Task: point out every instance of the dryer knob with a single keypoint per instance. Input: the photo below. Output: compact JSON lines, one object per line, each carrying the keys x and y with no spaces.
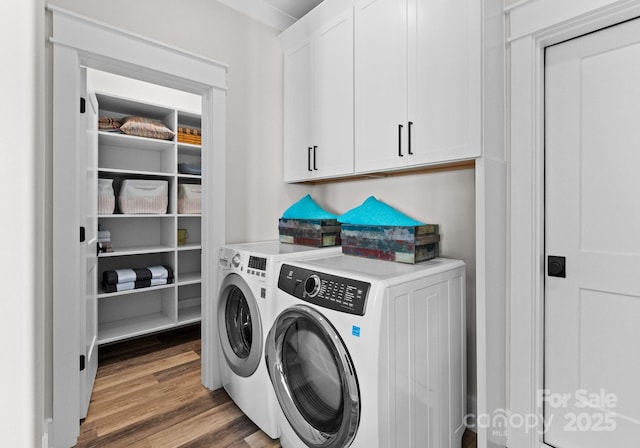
{"x":235,"y":261}
{"x":312,"y":285}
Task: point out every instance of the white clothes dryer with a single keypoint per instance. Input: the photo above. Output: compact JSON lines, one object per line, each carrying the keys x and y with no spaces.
{"x":369,"y":354}
{"x":247,"y":275}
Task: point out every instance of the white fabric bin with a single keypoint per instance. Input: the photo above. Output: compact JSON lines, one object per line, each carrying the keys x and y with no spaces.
{"x":106,"y":197}
{"x":189,"y":198}
{"x":143,"y":196}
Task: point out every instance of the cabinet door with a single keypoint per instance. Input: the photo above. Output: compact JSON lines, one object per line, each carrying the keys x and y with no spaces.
{"x":298,"y":113}
{"x":381,"y":84}
{"x":444,"y":80}
{"x":333,"y":151}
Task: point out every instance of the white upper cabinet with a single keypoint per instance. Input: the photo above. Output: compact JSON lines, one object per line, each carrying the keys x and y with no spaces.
{"x":298,"y":112}
{"x":385,"y":85}
{"x":334,"y":97}
{"x":318,"y":103}
{"x":380,"y":84}
{"x":417,"y":82}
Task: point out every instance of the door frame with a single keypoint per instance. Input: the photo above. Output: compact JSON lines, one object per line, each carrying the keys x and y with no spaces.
{"x":81,"y":42}
{"x":532,"y":26}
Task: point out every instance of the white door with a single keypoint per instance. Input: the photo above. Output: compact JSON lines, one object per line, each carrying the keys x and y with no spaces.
{"x":592,"y":200}
{"x":89,"y":211}
{"x":75,"y":225}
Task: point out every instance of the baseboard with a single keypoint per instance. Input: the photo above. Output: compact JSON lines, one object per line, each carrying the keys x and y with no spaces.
{"x":46,"y":428}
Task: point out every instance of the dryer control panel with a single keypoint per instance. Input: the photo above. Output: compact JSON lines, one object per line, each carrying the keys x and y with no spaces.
{"x":326,"y":290}
{"x":241,"y":261}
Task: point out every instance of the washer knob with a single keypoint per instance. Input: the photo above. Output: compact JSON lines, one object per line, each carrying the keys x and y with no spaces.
{"x":312,"y":285}
{"x":235,"y":261}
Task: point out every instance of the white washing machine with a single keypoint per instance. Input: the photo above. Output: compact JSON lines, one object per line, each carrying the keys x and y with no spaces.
{"x":367,"y":353}
{"x":248,"y":275}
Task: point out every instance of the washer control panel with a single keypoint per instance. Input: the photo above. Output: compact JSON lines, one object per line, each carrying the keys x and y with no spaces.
{"x":326,"y":290}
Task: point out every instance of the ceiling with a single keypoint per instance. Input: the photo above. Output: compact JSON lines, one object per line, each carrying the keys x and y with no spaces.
{"x":279,"y":14}
{"x":294,"y":8}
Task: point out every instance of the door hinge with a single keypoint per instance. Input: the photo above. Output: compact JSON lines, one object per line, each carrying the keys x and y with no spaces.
{"x":83,"y":105}
{"x":82,"y":363}
{"x":82,"y":234}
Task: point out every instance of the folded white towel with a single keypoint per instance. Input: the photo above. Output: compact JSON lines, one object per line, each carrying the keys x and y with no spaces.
{"x":126,"y":275}
{"x":158,"y":281}
{"x":158,"y":272}
{"x":125,"y":286}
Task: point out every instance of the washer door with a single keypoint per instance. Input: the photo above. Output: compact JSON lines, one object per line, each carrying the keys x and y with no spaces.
{"x":239,"y":326}
{"x":313,"y":377}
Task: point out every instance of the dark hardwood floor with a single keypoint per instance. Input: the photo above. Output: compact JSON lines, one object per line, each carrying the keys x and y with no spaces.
{"x":148,"y":394}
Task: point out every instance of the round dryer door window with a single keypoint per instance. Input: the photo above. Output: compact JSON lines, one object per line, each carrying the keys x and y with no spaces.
{"x":239,"y":326}
{"x":314,"y":378}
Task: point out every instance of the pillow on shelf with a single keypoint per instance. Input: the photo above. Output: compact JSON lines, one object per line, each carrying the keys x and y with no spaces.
{"x":146,"y":127}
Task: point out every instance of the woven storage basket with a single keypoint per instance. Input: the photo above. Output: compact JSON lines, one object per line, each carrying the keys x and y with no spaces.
{"x":106,"y":197}
{"x":189,"y":198}
{"x":143,"y":196}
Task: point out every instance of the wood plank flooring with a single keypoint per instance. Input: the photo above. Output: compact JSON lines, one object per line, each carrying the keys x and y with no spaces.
{"x":148,"y":394}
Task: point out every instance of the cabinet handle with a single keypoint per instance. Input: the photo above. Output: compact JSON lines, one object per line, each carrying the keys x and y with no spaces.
{"x":309,"y":159}
{"x":409,"y":131}
{"x":315,"y":167}
{"x":400,"y":141}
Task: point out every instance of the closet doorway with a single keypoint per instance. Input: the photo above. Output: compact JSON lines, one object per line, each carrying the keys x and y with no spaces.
{"x":80,"y":44}
{"x":535,"y":26}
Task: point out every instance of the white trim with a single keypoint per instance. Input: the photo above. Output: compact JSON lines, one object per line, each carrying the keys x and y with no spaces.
{"x":213,"y":229}
{"x":534,"y":26}
{"x":559,"y":21}
{"x":76,"y":22}
{"x":77,"y":42}
{"x":472,"y":412}
{"x":46,"y":431}
{"x":516,"y":5}
{"x":491,"y":230}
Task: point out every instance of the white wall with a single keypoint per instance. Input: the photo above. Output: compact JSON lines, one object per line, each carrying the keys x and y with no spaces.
{"x":20,"y":121}
{"x":446,"y":198}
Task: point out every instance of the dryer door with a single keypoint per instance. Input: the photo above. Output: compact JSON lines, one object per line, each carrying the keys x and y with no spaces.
{"x":313,"y":377}
{"x":239,"y":326}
